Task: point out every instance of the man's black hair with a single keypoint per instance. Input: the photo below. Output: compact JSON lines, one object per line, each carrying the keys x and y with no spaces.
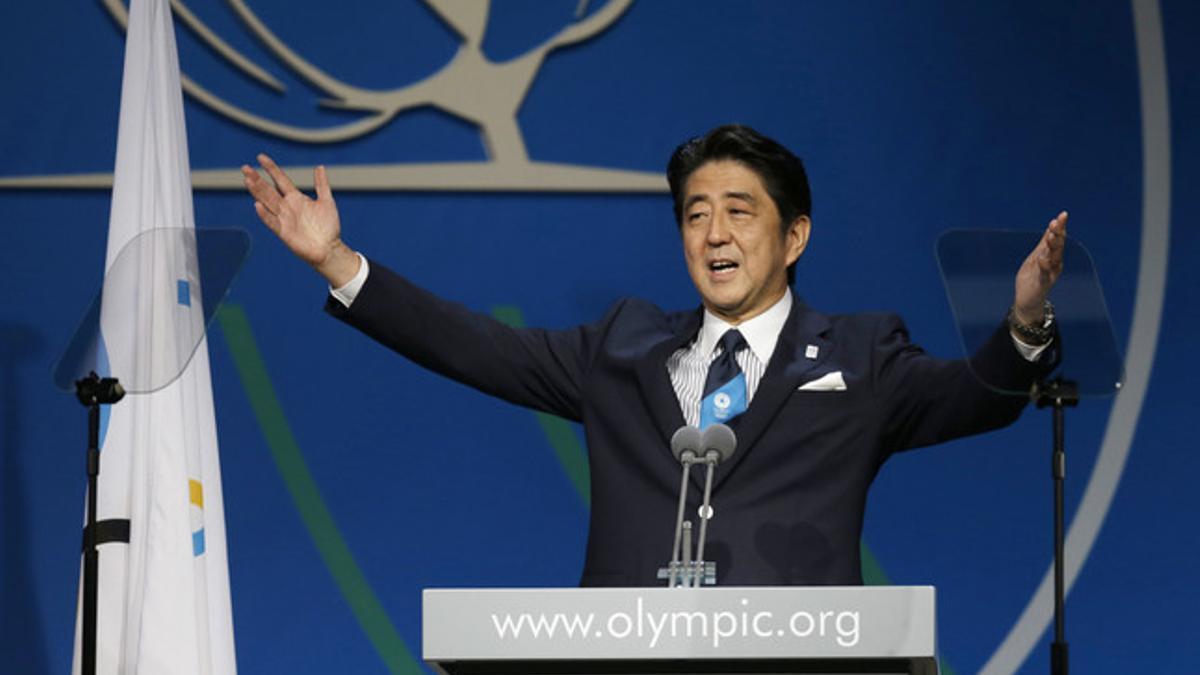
{"x":781,"y":171}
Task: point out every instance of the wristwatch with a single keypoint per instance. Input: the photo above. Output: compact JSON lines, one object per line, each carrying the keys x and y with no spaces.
{"x":1034,"y":334}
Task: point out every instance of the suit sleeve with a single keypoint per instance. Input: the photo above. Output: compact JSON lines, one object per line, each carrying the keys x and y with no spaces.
{"x":925,"y":400}
{"x":540,"y":369}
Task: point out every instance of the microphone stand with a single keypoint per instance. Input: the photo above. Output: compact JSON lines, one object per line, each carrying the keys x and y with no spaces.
{"x":718,"y":442}
{"x":687,"y":459}
{"x":1058,"y":394}
{"x":706,"y":511}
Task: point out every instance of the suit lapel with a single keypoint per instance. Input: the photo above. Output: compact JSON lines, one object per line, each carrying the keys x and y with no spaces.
{"x":656,"y":382}
{"x":789,"y":363}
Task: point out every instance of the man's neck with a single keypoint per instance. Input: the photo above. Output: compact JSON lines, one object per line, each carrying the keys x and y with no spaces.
{"x":761,"y":331}
{"x":738,"y":319}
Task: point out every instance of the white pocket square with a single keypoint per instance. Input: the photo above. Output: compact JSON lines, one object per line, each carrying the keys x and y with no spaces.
{"x":827,"y":382}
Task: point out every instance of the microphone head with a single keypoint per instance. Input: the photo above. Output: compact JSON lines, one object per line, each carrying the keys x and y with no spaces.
{"x":685,"y":439}
{"x":718,"y":439}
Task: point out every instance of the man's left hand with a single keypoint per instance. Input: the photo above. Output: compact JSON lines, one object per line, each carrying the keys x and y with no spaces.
{"x":1039,"y":272}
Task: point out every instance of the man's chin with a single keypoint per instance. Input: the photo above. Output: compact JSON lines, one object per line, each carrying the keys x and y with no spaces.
{"x":729,"y":310}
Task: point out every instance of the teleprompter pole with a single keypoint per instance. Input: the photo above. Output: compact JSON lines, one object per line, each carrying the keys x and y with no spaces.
{"x":1058,"y":394}
{"x":93,"y":391}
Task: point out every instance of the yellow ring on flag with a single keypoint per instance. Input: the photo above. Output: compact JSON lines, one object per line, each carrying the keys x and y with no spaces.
{"x":196,"y":492}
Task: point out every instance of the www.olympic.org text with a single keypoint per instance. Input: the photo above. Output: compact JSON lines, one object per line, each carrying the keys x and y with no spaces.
{"x":842,"y":626}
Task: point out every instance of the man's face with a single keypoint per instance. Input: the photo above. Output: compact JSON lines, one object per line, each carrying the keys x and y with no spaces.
{"x":737,"y":253}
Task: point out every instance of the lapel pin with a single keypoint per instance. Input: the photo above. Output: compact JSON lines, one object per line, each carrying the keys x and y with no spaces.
{"x":811,"y":351}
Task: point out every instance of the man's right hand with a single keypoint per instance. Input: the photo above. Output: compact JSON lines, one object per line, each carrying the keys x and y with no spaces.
{"x":309,"y":227}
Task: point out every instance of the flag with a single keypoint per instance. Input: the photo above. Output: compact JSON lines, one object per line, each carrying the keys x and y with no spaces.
{"x":164,"y":604}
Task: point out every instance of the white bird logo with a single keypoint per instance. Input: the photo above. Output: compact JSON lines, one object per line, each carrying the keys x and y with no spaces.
{"x":470,"y":86}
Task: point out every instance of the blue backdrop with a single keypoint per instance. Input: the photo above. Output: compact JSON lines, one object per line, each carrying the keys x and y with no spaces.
{"x":911,"y":118}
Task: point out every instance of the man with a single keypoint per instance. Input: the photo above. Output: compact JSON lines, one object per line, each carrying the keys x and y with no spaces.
{"x":818,"y":402}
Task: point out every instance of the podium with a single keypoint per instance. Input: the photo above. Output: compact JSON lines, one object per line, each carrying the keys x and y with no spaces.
{"x":644,"y":631}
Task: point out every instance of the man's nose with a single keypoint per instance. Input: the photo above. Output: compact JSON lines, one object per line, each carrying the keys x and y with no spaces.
{"x":718,"y":229}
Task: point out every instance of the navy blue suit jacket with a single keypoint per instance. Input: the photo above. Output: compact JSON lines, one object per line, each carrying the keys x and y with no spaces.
{"x":790,"y":502}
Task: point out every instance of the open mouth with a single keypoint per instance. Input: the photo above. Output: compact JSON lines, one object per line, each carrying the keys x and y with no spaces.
{"x":720,"y":266}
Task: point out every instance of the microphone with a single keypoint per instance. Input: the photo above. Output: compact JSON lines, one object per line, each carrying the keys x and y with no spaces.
{"x":718,"y":443}
{"x":685,"y":445}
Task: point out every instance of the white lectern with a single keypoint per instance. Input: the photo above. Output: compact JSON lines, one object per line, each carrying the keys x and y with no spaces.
{"x":863,"y":630}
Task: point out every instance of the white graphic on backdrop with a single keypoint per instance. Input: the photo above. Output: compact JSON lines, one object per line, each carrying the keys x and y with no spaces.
{"x":471,"y":87}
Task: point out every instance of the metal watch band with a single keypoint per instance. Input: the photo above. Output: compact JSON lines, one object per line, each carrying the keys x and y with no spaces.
{"x":1036,"y":335}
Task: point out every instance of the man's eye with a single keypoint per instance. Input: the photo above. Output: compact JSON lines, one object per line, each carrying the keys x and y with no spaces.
{"x":696,"y":216}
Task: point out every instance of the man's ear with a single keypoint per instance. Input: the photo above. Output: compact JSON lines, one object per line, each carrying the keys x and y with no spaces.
{"x":796,"y":238}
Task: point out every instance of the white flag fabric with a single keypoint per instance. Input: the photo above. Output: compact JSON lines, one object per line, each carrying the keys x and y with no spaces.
{"x":164,"y":605}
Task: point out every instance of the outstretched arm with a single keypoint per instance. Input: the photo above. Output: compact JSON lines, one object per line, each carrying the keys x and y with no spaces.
{"x":535,"y":368}
{"x":930,"y":400}
{"x":309,"y":227}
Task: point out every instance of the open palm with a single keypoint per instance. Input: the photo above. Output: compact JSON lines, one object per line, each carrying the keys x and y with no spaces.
{"x":1040,"y":271}
{"x":309,"y":227}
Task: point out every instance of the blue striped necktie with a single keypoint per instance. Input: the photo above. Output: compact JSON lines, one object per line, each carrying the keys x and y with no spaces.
{"x":725,"y":388}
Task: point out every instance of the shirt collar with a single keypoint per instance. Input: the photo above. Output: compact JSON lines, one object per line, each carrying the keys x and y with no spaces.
{"x":761,"y":332}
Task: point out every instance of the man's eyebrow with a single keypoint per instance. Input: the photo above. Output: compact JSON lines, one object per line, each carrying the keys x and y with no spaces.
{"x":733,"y":194}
